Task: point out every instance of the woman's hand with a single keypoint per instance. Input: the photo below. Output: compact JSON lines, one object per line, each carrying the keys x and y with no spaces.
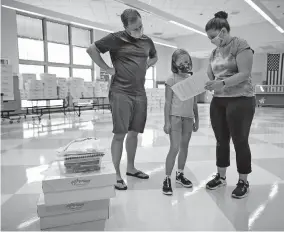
{"x":167,"y":128}
{"x":214,"y":85}
{"x":195,"y":125}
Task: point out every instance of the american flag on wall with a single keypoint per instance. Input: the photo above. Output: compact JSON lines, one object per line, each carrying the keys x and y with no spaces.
{"x":275,"y":72}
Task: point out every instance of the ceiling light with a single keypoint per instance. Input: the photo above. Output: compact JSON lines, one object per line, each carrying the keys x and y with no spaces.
{"x":188,"y":28}
{"x":89,"y":26}
{"x":264,"y":15}
{"x":24,"y":11}
{"x":166,"y":45}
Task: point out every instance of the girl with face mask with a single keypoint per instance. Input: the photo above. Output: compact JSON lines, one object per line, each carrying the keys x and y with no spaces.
{"x":233,"y":104}
{"x":181,"y":118}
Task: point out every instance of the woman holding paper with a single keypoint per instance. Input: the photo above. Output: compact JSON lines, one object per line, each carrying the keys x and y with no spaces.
{"x":181,"y":118}
{"x":233,"y":105}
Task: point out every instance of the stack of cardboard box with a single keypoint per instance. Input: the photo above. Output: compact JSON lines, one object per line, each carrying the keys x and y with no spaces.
{"x":50,"y":85}
{"x":76,"y":87}
{"x":63,"y":88}
{"x":7,"y":87}
{"x":89,"y":89}
{"x":76,"y":201}
{"x":101,"y":88}
{"x":34,"y":89}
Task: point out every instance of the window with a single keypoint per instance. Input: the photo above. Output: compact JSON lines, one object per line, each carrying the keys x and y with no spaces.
{"x":161,"y":85}
{"x":59,"y":71}
{"x":149,"y":82}
{"x":81,"y":37}
{"x":29,"y":27}
{"x":57,"y":33}
{"x":81,"y":57}
{"x":86,"y":74}
{"x":58,"y":53}
{"x":35,"y":69}
{"x":30,"y":49}
{"x":52,"y":52}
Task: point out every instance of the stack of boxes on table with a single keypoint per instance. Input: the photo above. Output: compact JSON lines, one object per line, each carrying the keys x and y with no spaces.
{"x":88,"y":90}
{"x":34,"y":89}
{"x":156,"y":98}
{"x":101,"y":88}
{"x":63,"y":88}
{"x":77,"y":191}
{"x":76,"y":87}
{"x":7,"y":87}
{"x":26,"y":86}
{"x":50,"y":85}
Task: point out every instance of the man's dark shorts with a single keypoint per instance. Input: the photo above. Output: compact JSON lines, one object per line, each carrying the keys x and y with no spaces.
{"x":129,"y":113}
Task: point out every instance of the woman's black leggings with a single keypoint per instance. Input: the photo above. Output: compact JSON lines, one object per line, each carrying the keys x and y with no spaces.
{"x":232,"y":118}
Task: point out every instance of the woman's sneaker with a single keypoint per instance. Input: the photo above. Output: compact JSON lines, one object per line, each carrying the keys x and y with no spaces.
{"x":241,"y":190}
{"x":217,"y":182}
{"x":167,"y":187}
{"x":180,"y":179}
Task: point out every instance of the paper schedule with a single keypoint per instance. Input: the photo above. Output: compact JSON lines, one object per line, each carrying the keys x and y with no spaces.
{"x":191,"y":86}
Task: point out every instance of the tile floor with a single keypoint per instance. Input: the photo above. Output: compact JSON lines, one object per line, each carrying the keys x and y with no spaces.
{"x":28,"y":148}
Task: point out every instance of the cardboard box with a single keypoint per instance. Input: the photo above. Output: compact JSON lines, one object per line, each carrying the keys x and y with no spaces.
{"x":88,"y":194}
{"x":74,"y":218}
{"x":86,"y":226}
{"x":47,"y":76}
{"x":44,"y":210}
{"x":58,"y":180}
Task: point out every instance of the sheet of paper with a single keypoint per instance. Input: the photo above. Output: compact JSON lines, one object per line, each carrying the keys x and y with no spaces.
{"x":191,"y":86}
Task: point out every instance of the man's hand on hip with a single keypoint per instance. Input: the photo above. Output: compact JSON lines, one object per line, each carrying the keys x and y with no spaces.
{"x":110,"y":71}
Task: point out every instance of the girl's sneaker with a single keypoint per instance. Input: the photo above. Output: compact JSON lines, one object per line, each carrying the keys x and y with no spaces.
{"x":180,"y":179}
{"x":217,"y":182}
{"x":241,"y":190}
{"x":167,"y":187}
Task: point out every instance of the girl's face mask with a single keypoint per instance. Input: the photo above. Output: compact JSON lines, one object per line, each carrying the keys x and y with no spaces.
{"x":185,"y":67}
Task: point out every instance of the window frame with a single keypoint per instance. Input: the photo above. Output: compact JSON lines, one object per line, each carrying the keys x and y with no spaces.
{"x":46,"y":63}
{"x":153,"y":68}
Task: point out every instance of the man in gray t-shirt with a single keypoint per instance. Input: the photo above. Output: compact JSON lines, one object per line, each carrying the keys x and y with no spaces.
{"x":131,"y":53}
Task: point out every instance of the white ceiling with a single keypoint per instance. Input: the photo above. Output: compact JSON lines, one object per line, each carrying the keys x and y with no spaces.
{"x":196,"y":12}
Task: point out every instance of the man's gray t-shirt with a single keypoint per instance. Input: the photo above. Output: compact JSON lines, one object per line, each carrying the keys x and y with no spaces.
{"x":129,"y":58}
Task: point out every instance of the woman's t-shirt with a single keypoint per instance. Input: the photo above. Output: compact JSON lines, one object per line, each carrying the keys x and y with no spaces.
{"x":223,"y":63}
{"x":178,"y":107}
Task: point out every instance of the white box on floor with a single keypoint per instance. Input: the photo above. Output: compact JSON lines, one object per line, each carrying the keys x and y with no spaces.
{"x":86,"y":194}
{"x":44,"y":210}
{"x":57,"y":180}
{"x":74,"y":218}
{"x":86,"y":226}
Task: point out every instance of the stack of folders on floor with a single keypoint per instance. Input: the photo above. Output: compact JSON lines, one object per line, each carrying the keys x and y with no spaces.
{"x":76,"y":201}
